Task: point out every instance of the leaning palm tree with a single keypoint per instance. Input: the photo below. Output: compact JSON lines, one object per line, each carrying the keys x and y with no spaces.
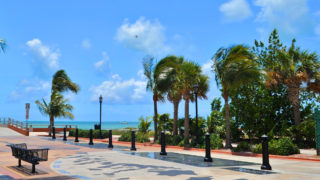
{"x":56,"y":108}
{"x":60,"y":83}
{"x":167,"y":70}
{"x":233,"y":67}
{"x":3,"y":45}
{"x":188,"y":76}
{"x":292,"y":68}
{"x":152,"y":79}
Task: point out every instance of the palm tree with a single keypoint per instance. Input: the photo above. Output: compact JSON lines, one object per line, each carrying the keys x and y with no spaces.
{"x":60,"y":83}
{"x":3,"y":45}
{"x":233,"y":67}
{"x":188,"y":76}
{"x":294,"y":67}
{"x":152,"y":79}
{"x":56,"y":108}
{"x":167,"y":69}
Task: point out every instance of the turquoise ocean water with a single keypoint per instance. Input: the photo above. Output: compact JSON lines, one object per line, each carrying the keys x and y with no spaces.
{"x":88,"y":124}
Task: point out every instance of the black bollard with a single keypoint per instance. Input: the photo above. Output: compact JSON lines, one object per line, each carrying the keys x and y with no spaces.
{"x":163,"y":143}
{"x":65,"y":134}
{"x":77,"y":135}
{"x":110,"y":139}
{"x":90,"y":135}
{"x":50,"y":128}
{"x":208,"y":158}
{"x":133,"y":141}
{"x":265,"y":153}
{"x":53,"y":133}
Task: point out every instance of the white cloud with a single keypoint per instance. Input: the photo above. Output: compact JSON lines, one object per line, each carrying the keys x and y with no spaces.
{"x":207,"y":68}
{"x":140,"y":74}
{"x":102,"y":64}
{"x":117,"y":91}
{"x":86,"y":43}
{"x":30,"y":90}
{"x":287,"y":15}
{"x":45,"y":55}
{"x":143,"y":35}
{"x":236,"y":10}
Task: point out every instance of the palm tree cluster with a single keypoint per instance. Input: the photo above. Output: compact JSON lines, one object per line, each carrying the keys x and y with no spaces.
{"x":58,"y":107}
{"x":174,"y":78}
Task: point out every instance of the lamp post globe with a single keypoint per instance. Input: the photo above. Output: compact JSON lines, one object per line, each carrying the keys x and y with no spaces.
{"x":100,"y":101}
{"x":196,"y":90}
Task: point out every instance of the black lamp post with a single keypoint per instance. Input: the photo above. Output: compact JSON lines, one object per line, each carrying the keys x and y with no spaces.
{"x":100,"y":101}
{"x":196,"y":89}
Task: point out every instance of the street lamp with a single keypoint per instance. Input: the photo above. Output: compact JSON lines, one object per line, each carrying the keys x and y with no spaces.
{"x":196,"y":89}
{"x":27,"y":115}
{"x":100,"y":100}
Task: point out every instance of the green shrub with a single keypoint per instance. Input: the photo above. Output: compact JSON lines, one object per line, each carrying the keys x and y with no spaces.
{"x":215,"y":141}
{"x":126,"y":136}
{"x":142,"y":137}
{"x":86,"y":133}
{"x":144,"y":124}
{"x":242,"y":146}
{"x":283,"y":146}
{"x":72,"y":132}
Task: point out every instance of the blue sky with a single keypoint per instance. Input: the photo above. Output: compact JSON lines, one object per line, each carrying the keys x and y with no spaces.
{"x":95,"y":43}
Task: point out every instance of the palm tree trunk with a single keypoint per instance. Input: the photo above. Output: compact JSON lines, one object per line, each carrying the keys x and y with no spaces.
{"x":293,"y":93}
{"x":175,"y":117}
{"x":227,"y":116}
{"x":51,"y":124}
{"x":186,"y":122}
{"x":155,"y":120}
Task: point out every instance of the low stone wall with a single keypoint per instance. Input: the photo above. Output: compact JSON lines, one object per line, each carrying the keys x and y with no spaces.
{"x":21,"y":131}
{"x":47,"y":129}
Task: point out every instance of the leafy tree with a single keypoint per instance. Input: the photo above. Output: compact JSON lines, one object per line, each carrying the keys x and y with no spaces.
{"x":215,"y":120}
{"x":289,"y":67}
{"x":233,"y":67}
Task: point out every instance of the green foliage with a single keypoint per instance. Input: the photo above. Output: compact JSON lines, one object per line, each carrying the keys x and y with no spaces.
{"x":307,"y":131}
{"x":144,"y":124}
{"x":86,"y":133}
{"x":125,"y":136}
{"x":242,"y":146}
{"x":283,"y":146}
{"x":215,"y":141}
{"x":140,"y":137}
{"x":165,"y":123}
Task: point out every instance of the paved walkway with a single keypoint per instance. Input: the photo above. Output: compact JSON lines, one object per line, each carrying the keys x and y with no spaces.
{"x":68,"y":161}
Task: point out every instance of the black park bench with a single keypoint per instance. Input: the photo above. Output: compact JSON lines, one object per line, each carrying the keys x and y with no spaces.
{"x":33,"y":156}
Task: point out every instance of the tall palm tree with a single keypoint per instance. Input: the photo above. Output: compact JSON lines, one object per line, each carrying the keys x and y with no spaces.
{"x":56,"y":108}
{"x":152,"y":79}
{"x":3,"y":45}
{"x":188,"y":76}
{"x":233,"y":67}
{"x":60,"y":83}
{"x":292,"y":68}
{"x":167,"y":69}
